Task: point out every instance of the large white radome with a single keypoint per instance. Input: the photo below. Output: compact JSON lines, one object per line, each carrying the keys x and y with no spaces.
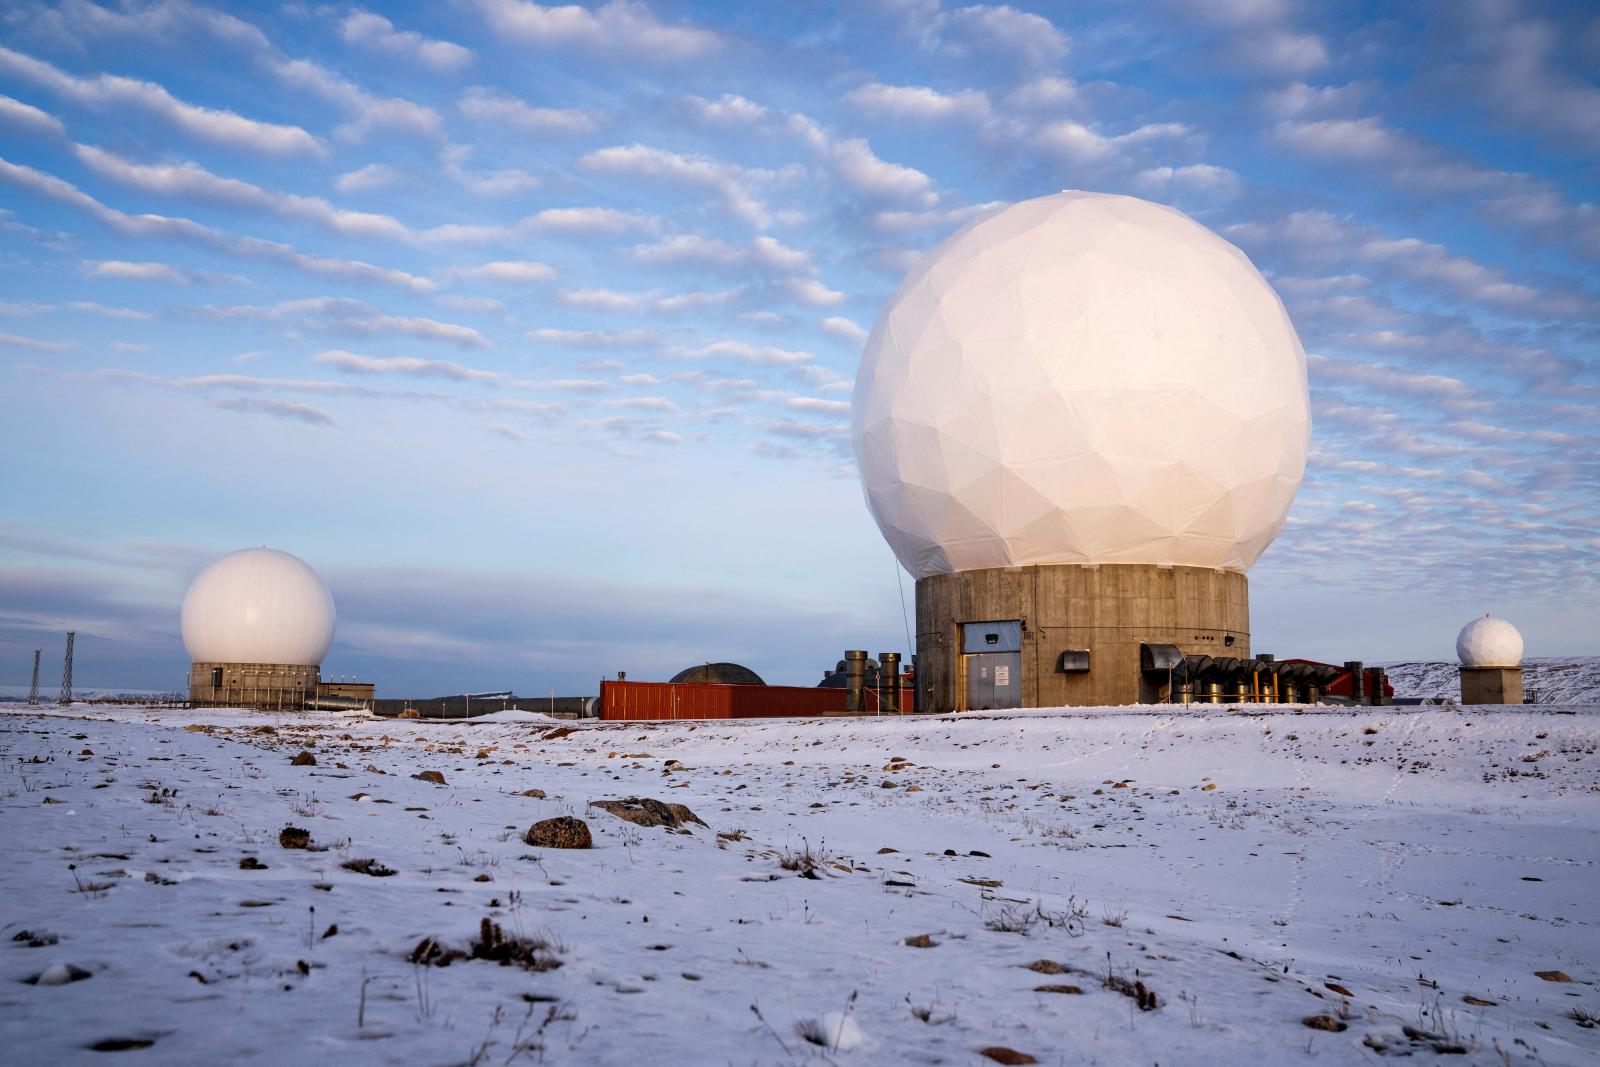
{"x":1489,"y":642}
{"x":1081,"y":378}
{"x":258,"y":606}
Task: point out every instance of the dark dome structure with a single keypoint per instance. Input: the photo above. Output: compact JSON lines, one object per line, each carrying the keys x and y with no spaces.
{"x":719,"y":674}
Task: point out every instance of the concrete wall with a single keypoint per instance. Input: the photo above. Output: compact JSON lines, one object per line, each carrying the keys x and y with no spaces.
{"x":1491,"y":685}
{"x":268,"y":686}
{"x":1108,"y":609}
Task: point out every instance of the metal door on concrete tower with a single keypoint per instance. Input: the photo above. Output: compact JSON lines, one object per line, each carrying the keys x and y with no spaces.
{"x":992,"y":658}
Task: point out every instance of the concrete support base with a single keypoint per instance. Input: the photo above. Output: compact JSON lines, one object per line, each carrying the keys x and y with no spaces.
{"x":1107,"y":611}
{"x":268,"y":686}
{"x":1491,"y":685}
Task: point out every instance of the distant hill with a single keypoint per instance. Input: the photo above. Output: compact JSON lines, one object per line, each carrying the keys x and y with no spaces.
{"x":1553,"y":680}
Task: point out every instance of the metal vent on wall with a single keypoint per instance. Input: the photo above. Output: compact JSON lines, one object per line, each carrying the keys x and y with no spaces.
{"x":1073,"y":661}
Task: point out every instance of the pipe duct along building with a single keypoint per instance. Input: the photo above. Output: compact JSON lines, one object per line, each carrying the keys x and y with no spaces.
{"x":257,"y":624}
{"x":1078,"y":422}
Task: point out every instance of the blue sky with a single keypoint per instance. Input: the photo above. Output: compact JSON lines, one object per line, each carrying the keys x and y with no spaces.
{"x":533,"y":328}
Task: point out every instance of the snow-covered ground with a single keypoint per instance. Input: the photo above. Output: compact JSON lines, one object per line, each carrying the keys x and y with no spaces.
{"x":1014,"y":880}
{"x":1545,"y":680}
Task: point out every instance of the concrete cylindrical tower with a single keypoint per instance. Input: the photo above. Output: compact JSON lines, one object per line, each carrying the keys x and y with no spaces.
{"x":1079,"y":421}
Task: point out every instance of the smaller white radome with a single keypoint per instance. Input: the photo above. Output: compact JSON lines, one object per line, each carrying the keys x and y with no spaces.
{"x":1489,"y":642}
{"x":258,"y":605}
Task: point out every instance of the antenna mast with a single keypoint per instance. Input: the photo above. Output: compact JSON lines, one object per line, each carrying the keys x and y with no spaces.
{"x":66,"y":673}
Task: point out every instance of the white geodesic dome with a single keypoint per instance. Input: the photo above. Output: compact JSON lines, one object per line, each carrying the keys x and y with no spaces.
{"x":258,"y":605}
{"x":1489,"y":642}
{"x":1081,"y":378}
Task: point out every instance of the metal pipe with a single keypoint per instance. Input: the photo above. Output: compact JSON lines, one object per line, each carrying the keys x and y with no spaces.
{"x":1378,"y":697}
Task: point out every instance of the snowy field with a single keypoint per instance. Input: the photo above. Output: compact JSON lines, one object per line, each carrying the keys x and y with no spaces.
{"x":1147,"y":885}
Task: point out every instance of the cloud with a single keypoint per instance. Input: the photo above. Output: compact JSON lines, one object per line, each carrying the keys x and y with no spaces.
{"x":645,"y":403}
{"x":918,"y":103}
{"x":353,"y":318}
{"x":613,"y":30}
{"x":368,"y":113}
{"x":511,"y":272}
{"x":806,"y":431}
{"x":142,"y":272}
{"x":366,"y":30}
{"x":844,"y":329}
{"x":857,"y":168}
{"x":172,"y":227}
{"x":603,"y":299}
{"x":510,"y":433}
{"x":1408,"y":160}
{"x":190,"y":181}
{"x":214,"y":126}
{"x":764,"y":254}
{"x":597,"y":338}
{"x":1381,"y":378}
{"x":352,"y":363}
{"x":278,"y":409}
{"x":810,"y":292}
{"x":654,"y":300}
{"x":1299,"y":100}
{"x":730,"y":109}
{"x":1471,"y":281}
{"x":748,"y":353}
{"x":901,"y":222}
{"x":489,"y":105}
{"x":32,"y":344}
{"x":1515,"y":64}
{"x":1413,"y":164}
{"x":26,"y":117}
{"x":366,"y":179}
{"x":1049,"y":93}
{"x":727,"y":181}
{"x":506,"y":181}
{"x":993,"y":31}
{"x":86,"y":307}
{"x":165,"y":23}
{"x":589,"y":221}
{"x":814,"y":405}
{"x":1323,"y":239}
{"x":1197,"y":179}
{"x":1258,"y":35}
{"x":1076,"y":143}
{"x":586,"y":222}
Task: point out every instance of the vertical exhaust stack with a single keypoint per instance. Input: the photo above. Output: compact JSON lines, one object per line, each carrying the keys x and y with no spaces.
{"x":889,"y":682}
{"x":1357,"y":680}
{"x":855,"y":681}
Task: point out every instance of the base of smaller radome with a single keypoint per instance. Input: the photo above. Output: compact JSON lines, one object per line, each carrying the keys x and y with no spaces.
{"x":1491,"y":685}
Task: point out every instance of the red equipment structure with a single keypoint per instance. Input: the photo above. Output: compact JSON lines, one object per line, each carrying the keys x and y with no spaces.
{"x":636,"y":701}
